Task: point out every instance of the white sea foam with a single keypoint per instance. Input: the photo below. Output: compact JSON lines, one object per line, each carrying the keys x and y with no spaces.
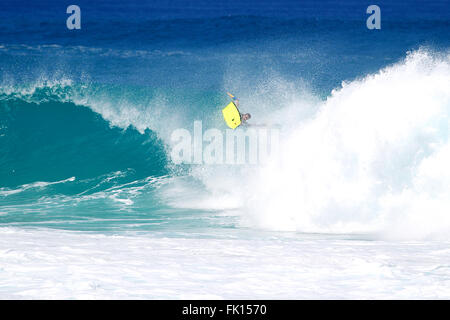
{"x":34,"y":185}
{"x":51,"y":264}
{"x":372,"y":158}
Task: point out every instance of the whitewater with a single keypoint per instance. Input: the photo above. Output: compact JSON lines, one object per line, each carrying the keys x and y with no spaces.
{"x":70,"y":265}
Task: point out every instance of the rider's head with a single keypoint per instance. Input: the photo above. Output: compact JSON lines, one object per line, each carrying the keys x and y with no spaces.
{"x":246,"y":116}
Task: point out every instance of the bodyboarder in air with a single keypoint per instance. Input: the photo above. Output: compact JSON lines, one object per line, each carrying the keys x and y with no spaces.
{"x":244,"y":116}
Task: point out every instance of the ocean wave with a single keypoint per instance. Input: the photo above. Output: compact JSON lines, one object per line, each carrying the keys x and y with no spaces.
{"x":373,"y":158}
{"x":46,"y":136}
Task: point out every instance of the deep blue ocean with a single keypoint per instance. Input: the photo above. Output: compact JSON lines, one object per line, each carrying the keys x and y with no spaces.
{"x":86,"y":115}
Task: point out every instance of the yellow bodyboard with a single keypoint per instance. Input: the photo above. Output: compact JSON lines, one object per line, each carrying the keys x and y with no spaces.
{"x":231,"y":115}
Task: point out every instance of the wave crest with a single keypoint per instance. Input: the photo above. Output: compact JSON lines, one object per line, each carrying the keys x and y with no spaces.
{"x":44,"y":136}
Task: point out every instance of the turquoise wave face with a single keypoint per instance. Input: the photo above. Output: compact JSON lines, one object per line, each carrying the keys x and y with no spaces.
{"x":64,"y":165}
{"x":54,"y":140}
{"x":86,"y":116}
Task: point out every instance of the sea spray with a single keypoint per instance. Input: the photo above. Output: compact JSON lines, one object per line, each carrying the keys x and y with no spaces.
{"x":373,"y":159}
